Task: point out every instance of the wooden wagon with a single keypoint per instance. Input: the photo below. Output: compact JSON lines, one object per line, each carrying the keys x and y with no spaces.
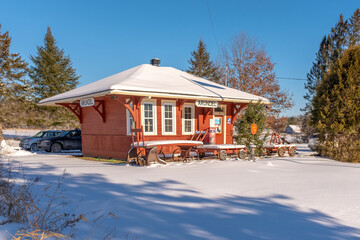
{"x":146,"y":152}
{"x":280,"y":146}
{"x":222,"y":150}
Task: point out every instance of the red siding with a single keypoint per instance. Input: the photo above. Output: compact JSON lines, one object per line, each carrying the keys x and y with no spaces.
{"x":109,"y":139}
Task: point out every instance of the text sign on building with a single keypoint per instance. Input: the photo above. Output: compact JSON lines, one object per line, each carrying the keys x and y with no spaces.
{"x":205,"y":103}
{"x":87,"y":102}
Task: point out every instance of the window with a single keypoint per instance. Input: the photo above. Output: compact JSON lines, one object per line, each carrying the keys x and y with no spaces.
{"x":129,"y":119}
{"x":188,"y":119}
{"x":168,"y":118}
{"x":149,"y":117}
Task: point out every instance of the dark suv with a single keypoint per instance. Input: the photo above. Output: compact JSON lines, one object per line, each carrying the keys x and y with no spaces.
{"x":30,"y":143}
{"x":69,"y":140}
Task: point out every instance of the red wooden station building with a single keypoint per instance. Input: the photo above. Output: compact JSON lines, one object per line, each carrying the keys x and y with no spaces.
{"x":168,"y":103}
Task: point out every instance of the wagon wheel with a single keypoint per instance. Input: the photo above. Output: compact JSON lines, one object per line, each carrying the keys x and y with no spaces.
{"x":161,"y":154}
{"x":141,"y":158}
{"x":281,"y":151}
{"x":222,"y":155}
{"x":292,"y":151}
{"x":242,"y":154}
{"x":176,"y":154}
{"x":268,"y":152}
{"x":187,"y":156}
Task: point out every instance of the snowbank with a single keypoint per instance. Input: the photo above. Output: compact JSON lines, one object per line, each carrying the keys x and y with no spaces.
{"x":5,"y":149}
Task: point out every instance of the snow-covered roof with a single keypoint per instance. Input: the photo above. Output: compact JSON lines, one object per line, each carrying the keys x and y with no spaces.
{"x":149,"y":80}
{"x":295,"y":128}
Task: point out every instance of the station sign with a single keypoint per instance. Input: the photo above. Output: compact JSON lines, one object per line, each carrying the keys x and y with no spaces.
{"x":205,"y":103}
{"x":88,"y":102}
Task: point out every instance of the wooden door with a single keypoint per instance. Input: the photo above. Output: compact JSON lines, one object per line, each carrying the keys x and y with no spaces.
{"x":219,"y":129}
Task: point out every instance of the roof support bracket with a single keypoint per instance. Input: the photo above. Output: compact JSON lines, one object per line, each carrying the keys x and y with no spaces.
{"x":136,"y":105}
{"x":181,"y":104}
{"x":74,"y":108}
{"x":100,"y":108}
{"x":236,"y":108}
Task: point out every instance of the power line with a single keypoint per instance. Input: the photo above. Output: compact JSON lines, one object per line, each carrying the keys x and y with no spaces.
{"x":212,"y":25}
{"x":289,"y":78}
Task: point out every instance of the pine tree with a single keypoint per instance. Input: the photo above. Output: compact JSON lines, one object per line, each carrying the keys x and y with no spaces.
{"x":317,"y":71}
{"x":354,"y":29}
{"x":254,"y":113}
{"x":14,"y":88}
{"x":336,"y":108}
{"x":201,"y":65}
{"x":52,"y":72}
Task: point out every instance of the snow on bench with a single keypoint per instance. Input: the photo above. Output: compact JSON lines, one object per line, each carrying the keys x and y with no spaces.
{"x":278,"y":145}
{"x":222,"y":146}
{"x":167,"y":142}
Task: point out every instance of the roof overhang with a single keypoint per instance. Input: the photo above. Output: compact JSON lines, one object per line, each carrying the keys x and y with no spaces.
{"x":150,"y":94}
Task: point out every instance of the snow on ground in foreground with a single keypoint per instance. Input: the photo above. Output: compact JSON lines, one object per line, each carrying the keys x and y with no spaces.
{"x":303,"y":197}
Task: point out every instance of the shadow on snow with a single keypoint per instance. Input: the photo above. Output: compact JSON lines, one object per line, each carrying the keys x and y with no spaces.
{"x":169,"y":209}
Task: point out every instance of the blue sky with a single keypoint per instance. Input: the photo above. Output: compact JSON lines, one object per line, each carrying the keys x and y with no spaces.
{"x":107,"y":37}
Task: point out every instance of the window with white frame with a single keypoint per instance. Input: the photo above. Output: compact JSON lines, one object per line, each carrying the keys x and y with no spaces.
{"x":168,"y":118}
{"x":129,"y":119}
{"x":149,"y":117}
{"x":188,"y":119}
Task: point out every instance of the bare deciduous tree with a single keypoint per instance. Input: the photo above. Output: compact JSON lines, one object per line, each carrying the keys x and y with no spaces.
{"x":245,"y":66}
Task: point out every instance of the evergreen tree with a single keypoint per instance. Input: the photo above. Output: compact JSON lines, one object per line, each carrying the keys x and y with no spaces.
{"x":201,"y":65}
{"x":318,"y":70}
{"x":336,"y":108}
{"x":14,"y":88}
{"x":254,"y":113}
{"x":52,"y":72}
{"x":338,"y":39}
{"x":354,"y":29}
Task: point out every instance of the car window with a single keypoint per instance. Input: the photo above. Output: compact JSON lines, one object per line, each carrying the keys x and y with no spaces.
{"x":50,"y":134}
{"x":57,"y":133}
{"x":39,"y":134}
{"x":73,"y":134}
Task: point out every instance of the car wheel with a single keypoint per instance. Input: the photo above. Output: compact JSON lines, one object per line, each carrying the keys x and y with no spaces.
{"x":34,"y":147}
{"x":56,"y":148}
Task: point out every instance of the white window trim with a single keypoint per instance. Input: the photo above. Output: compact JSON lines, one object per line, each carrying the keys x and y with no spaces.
{"x":154,"y":116}
{"x":128,"y":115}
{"x":173,"y":104}
{"x":192,"y":105}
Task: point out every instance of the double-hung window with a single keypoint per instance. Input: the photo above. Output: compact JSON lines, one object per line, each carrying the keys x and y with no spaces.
{"x":149,"y":117}
{"x":129,"y":120}
{"x":188,"y":119}
{"x":168,"y":118}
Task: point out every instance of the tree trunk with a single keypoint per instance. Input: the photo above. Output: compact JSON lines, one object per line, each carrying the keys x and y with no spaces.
{"x":1,"y":133}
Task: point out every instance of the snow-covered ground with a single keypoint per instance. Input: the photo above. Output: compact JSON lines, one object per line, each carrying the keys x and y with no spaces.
{"x":304,"y":197}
